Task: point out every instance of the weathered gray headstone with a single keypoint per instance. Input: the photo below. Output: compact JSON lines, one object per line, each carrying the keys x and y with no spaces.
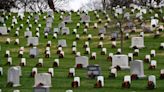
{"x":83,"y":60}
{"x":3,"y":31}
{"x":136,"y":67}
{"x":32,"y":41}
{"x":62,"y":43}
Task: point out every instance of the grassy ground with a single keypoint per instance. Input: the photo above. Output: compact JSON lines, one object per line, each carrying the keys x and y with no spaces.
{"x":60,"y":82}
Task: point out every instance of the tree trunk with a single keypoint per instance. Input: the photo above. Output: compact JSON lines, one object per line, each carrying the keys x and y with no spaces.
{"x":51,"y":5}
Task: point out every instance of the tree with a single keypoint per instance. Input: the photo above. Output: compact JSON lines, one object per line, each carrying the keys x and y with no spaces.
{"x":38,"y":5}
{"x":54,"y":4}
{"x":7,"y":4}
{"x":92,"y":5}
{"x":105,"y":4}
{"x":23,"y":4}
{"x":51,"y":4}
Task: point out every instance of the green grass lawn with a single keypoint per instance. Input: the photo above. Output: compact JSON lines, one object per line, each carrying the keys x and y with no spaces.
{"x":60,"y":81}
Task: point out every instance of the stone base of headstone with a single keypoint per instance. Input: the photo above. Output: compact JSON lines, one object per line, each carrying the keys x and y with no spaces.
{"x":126,"y":85}
{"x":150,"y":85}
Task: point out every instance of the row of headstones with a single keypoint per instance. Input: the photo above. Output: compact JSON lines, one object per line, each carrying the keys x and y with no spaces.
{"x":118,"y":10}
{"x":65,"y":30}
{"x":47,"y":29}
{"x":43,"y":80}
{"x":137,"y":42}
{"x":118,"y":61}
{"x":154,"y":23}
{"x":35,"y":40}
{"x":61,"y":43}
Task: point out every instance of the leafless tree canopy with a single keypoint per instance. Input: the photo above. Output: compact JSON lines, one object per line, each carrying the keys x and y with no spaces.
{"x":112,"y":3}
{"x":43,"y":5}
{"x":92,"y":5}
{"x":33,"y":5}
{"x":7,"y":4}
